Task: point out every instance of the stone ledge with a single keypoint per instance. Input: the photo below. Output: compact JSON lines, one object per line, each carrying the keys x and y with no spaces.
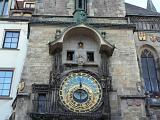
{"x":5,"y":98}
{"x":132,"y":96}
{"x":12,"y":49}
{"x":23,"y":94}
{"x":19,"y":95}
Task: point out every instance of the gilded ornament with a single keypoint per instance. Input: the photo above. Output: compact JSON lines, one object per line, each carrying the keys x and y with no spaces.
{"x":142,"y":36}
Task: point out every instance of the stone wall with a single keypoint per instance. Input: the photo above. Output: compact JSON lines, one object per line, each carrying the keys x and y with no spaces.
{"x":96,"y":8}
{"x":125,"y":75}
{"x":38,"y":61}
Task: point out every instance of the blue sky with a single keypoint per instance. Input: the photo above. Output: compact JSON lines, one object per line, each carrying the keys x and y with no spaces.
{"x":143,"y":3}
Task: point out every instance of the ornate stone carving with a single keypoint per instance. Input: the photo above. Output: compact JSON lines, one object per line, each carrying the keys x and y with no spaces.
{"x":80,"y":60}
{"x":21,"y":86}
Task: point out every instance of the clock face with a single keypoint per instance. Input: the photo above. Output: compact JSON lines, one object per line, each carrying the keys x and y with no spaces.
{"x":80,"y":92}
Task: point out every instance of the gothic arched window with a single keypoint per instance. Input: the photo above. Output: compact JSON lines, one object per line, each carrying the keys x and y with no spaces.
{"x":149,"y":71}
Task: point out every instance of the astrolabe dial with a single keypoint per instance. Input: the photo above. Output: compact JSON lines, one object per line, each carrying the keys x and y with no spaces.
{"x":80,"y":92}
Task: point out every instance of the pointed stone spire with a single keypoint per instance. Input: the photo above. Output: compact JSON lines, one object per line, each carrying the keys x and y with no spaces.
{"x":150,"y":6}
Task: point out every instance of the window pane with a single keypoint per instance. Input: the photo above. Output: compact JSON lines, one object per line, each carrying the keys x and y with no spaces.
{"x":8,"y":40}
{"x":154,"y":85}
{"x":7,"y":80}
{"x":1,"y":3}
{"x":149,"y":71}
{"x":32,"y":5}
{"x":14,"y":45}
{"x":1,"y":86}
{"x":0,"y":92}
{"x":2,"y":74}
{"x":6,"y":86}
{"x":7,"y":45}
{"x":13,"y":3}
{"x":14,"y":39}
{"x":8,"y":74}
{"x":42,"y":103}
{"x":5,"y":93}
{"x":42,"y":97}
{"x":5,"y":10}
{"x":145,"y":74}
{"x":8,"y":34}
{"x":147,"y":84}
{"x":144,"y":68}
{"x":2,"y":80}
{"x":153,"y":74}
{"x":27,"y":5}
{"x":16,"y":34}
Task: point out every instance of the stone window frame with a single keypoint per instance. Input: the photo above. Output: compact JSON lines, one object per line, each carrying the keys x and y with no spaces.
{"x":157,"y":63}
{"x":39,"y":89}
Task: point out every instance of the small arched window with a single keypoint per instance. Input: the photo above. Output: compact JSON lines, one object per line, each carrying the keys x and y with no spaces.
{"x":149,"y":71}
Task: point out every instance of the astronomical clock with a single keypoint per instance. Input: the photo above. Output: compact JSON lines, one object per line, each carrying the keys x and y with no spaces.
{"x":80,"y":92}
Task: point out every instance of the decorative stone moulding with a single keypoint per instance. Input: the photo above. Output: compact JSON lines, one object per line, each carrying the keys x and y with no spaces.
{"x":134,"y":102}
{"x":103,"y":44}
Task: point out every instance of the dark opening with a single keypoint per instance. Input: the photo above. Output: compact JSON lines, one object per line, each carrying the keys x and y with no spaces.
{"x":80,"y":4}
{"x":90,"y":56}
{"x":70,"y":55}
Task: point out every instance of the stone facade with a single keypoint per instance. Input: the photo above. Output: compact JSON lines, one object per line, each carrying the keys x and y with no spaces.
{"x":95,"y":8}
{"x":39,"y":64}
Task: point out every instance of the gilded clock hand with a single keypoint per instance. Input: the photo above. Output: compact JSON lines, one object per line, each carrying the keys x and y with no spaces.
{"x":80,"y":92}
{"x":80,"y":84}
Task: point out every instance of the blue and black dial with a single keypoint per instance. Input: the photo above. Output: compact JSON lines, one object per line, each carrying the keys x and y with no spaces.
{"x":80,"y":92}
